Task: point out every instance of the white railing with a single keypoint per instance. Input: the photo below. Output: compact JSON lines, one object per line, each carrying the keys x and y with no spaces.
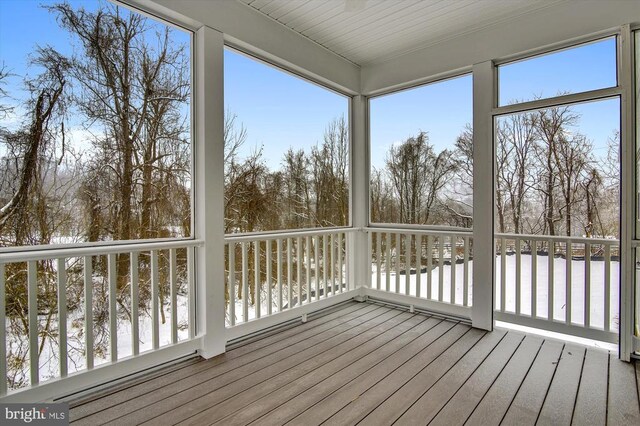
{"x":79,"y":307}
{"x":68,"y":310}
{"x":272,"y":273}
{"x":431,"y":265}
{"x":560,"y":284}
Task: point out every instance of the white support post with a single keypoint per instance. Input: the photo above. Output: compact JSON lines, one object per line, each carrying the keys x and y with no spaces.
{"x":484,"y":99}
{"x":360,"y":266}
{"x":208,"y":157}
{"x":628,"y":192}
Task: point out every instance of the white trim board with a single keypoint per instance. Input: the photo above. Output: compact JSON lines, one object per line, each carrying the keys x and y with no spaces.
{"x":108,"y":372}
{"x":562,"y":24}
{"x":249,"y":30}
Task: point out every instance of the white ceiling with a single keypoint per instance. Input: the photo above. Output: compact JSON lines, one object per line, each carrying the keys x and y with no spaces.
{"x":372,"y":31}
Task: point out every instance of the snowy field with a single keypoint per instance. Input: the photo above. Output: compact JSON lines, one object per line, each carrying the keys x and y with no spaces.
{"x":264,"y":302}
{"x":48,"y":361}
{"x":559,"y":291}
{"x":75,"y":325}
{"x":597,"y":299}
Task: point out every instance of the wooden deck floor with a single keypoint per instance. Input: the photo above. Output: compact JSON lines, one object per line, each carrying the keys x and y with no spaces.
{"x":374,"y":365}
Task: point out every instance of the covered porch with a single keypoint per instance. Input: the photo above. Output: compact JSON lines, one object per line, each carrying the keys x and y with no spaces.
{"x":369,"y":321}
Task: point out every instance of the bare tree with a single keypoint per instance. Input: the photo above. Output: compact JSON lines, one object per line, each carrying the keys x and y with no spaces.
{"x":407,"y":168}
{"x":459,"y":203}
{"x":571,"y":156}
{"x":418,"y":175}
{"x":34,"y":187}
{"x":235,"y":136}
{"x":29,"y":145}
{"x":515,"y":136}
{"x":133,"y":88}
{"x":384,"y":207}
{"x":551,"y":124}
{"x":295,"y":176}
{"x":591,"y":184}
{"x":329,"y":175}
{"x":4,"y":108}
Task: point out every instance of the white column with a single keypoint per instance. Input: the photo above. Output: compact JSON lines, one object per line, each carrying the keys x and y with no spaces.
{"x":484,"y":100}
{"x":359,"y":265}
{"x":628,"y":206}
{"x":209,"y":190}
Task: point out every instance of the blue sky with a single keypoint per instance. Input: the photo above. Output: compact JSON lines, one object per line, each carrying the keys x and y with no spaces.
{"x":443,"y":108}
{"x":280,"y":110}
{"x":26,"y":24}
{"x":587,"y":67}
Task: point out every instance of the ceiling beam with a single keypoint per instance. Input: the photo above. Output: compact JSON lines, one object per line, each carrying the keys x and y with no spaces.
{"x":247,"y":29}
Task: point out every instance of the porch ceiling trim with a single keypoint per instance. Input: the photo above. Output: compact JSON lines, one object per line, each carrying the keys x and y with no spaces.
{"x":251,"y":31}
{"x":560,"y":25}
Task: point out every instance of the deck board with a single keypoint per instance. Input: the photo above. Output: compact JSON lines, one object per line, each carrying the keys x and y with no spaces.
{"x":561,"y":399}
{"x":432,"y":401}
{"x":380,"y":376}
{"x":373,"y":351}
{"x":364,"y":372}
{"x":240,"y":356}
{"x":622,"y":404}
{"x":493,"y":406}
{"x":371,"y":364}
{"x":318,"y":365}
{"x":361,"y":406}
{"x":468,"y":396}
{"x":591,"y":403}
{"x":391,"y":409}
{"x":183,"y":391}
{"x":526,"y":406}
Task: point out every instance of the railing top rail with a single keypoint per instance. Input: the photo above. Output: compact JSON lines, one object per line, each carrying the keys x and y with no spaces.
{"x":423,"y":231}
{"x":277,"y":235}
{"x":53,"y":252}
{"x":559,"y":238}
{"x":416,"y":227}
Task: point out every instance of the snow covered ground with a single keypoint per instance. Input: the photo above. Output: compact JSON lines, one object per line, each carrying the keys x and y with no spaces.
{"x":48,"y":361}
{"x":597,"y":284}
{"x":597,"y":299}
{"x":251,"y":309}
{"x":49,"y":357}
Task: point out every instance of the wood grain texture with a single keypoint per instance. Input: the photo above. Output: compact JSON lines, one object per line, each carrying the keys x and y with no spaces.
{"x":137,"y":397}
{"x":335,"y":358}
{"x":372,"y":351}
{"x":394,"y":352}
{"x":432,"y":401}
{"x":391,"y":409}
